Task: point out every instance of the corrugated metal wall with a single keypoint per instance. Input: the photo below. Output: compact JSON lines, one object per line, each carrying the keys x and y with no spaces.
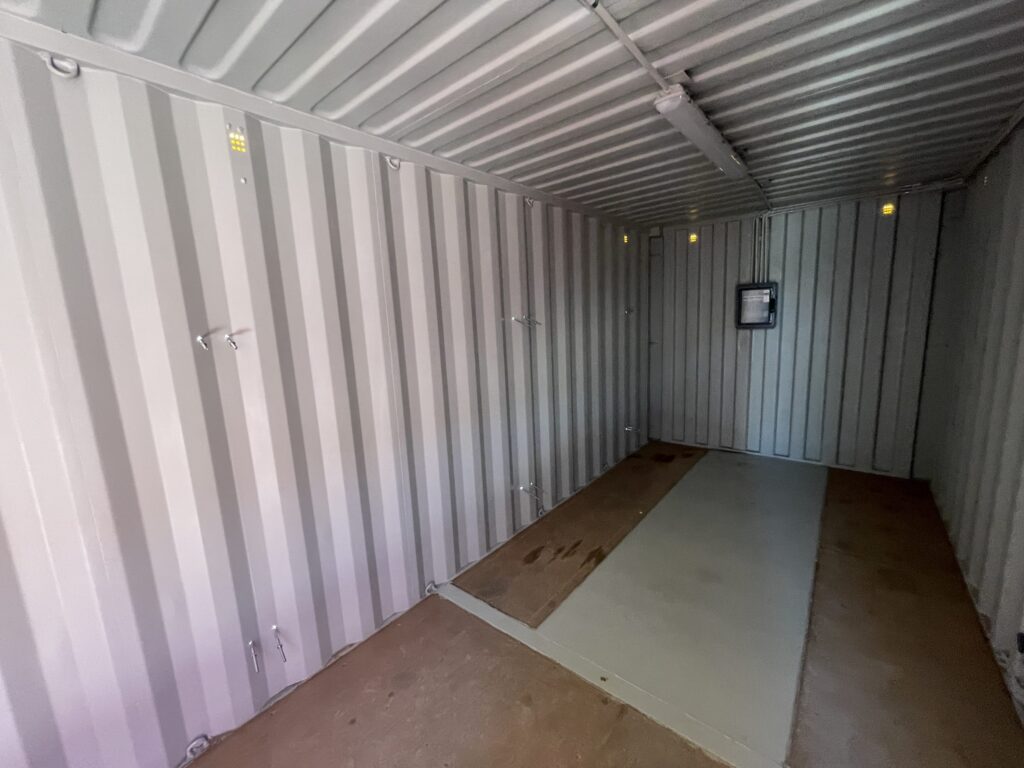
{"x":973,"y":407}
{"x":837,"y":380}
{"x":161,"y":505}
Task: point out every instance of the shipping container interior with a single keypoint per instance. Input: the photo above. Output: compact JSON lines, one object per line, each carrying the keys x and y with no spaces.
{"x":512,"y":383}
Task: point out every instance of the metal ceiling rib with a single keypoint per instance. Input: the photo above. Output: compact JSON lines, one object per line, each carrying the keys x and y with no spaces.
{"x":822,"y":98}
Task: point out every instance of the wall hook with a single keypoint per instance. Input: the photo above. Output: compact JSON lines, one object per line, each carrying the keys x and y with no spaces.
{"x":277,"y":641}
{"x":201,"y":340}
{"x":254,"y":655}
{"x":230,"y":341}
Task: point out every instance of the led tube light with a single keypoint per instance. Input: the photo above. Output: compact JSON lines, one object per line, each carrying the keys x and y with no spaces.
{"x":678,"y":108}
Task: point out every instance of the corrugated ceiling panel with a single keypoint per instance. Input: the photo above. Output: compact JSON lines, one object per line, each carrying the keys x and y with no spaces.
{"x":163,"y":505}
{"x":823,"y":98}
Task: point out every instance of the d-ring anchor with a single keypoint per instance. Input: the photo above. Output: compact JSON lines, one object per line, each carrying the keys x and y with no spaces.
{"x":230,"y":341}
{"x":62,"y":66}
{"x":201,"y":340}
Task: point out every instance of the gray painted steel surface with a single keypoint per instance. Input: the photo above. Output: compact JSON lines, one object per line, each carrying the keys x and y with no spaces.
{"x":837,"y":380}
{"x":164,"y":505}
{"x":973,"y":405}
{"x":823,"y":98}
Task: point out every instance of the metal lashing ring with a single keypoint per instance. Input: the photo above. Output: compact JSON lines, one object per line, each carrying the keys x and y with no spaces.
{"x":230,"y":341}
{"x":62,"y":66}
{"x":393,"y":162}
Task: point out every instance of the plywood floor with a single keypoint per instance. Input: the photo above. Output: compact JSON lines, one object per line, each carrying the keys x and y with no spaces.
{"x":897,"y":671}
{"x":439,"y":688}
{"x":532,"y":574}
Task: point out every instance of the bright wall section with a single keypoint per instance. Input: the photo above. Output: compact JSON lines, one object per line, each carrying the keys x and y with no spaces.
{"x":412,"y":349}
{"x":836,"y":381}
{"x":973,"y":404}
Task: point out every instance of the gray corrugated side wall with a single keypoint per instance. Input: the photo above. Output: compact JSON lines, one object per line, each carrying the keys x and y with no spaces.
{"x":972,"y":413}
{"x":162,"y":506}
{"x":836,"y":381}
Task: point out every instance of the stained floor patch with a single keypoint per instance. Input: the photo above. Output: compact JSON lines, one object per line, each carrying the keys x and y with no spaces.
{"x":530,"y":575}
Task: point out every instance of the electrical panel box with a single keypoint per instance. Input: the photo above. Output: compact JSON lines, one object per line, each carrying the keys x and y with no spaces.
{"x":756,"y":305}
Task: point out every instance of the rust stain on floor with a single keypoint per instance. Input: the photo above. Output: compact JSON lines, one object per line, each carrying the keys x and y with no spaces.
{"x":897,"y":671}
{"x":439,"y":688}
{"x":580,"y":533}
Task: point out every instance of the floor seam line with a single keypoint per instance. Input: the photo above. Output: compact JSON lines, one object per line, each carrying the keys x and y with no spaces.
{"x":465,"y":600}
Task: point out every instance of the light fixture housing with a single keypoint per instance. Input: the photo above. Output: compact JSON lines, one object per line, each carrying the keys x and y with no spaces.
{"x":676,"y":106}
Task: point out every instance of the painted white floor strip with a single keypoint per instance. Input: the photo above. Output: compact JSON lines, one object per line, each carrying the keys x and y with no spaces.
{"x":698,"y":618}
{"x":665,"y":713}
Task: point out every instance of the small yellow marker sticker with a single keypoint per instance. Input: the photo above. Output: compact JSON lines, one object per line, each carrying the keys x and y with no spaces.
{"x":238,"y":143}
{"x":693,"y":237}
{"x":888,"y":209}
